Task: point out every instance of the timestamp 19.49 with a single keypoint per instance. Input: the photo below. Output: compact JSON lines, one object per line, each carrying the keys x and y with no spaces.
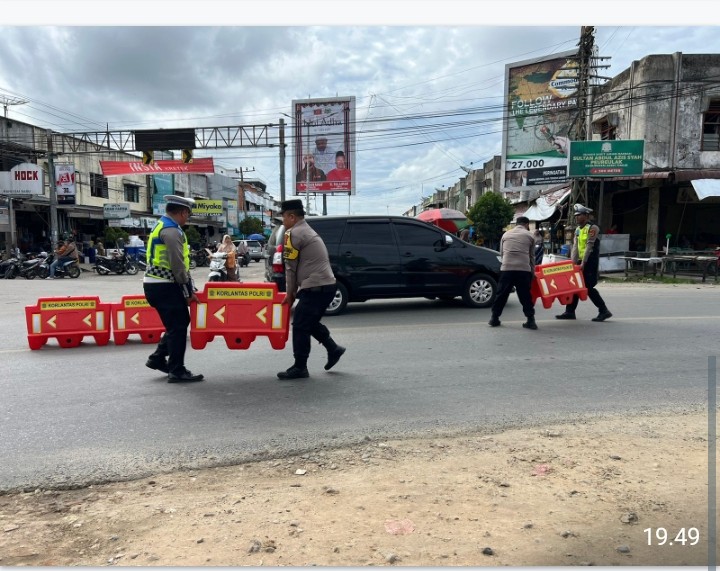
{"x":683,"y":536}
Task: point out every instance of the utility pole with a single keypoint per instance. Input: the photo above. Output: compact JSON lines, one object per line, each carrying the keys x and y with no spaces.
{"x":52,"y":191}
{"x":282,"y":160}
{"x":585,"y":52}
{"x":9,"y":244}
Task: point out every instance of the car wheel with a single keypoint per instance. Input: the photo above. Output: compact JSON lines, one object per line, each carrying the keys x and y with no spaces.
{"x":337,"y":305}
{"x":480,"y":291}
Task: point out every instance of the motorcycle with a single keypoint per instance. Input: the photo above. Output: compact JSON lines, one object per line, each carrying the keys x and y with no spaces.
{"x":69,"y":268}
{"x":218,"y":271}
{"x":117,"y":263}
{"x":200,"y":258}
{"x":24,"y":267}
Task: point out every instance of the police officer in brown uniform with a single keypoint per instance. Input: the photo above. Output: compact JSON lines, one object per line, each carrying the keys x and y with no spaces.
{"x":310,"y":280}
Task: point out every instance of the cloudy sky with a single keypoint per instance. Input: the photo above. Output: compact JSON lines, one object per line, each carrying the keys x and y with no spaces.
{"x":428,"y":77}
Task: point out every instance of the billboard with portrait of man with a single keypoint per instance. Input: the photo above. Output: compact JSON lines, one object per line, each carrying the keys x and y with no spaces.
{"x":324,"y":145}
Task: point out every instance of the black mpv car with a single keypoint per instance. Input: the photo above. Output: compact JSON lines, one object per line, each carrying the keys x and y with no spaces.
{"x":382,"y":257}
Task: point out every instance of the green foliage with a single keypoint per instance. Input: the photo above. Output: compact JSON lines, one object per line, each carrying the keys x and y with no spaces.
{"x":490,"y":215}
{"x":112,"y":235}
{"x":193,"y":236}
{"x":251,"y":225}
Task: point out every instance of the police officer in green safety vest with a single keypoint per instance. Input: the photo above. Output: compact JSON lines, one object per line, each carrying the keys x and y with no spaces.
{"x":169,"y":288}
{"x":586,"y":254}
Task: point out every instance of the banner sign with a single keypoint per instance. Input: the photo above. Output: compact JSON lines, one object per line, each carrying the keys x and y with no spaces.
{"x":205,"y":207}
{"x":606,"y":158}
{"x":324,"y":138}
{"x":65,"y":183}
{"x":540,"y":107}
{"x":120,"y":168}
{"x":24,"y":179}
{"x":116,"y":211}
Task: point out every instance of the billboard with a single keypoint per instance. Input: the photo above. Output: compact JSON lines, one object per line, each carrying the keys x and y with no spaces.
{"x":324,"y":145}
{"x":65,"y":183}
{"x":540,"y":109}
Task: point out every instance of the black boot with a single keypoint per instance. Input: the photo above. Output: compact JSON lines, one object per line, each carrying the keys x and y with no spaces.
{"x":566,"y":315}
{"x":334,"y":350}
{"x":530,"y":323}
{"x":603,"y":315}
{"x":494,"y":321}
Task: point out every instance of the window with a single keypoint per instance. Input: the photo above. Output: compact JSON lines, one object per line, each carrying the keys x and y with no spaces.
{"x":711,"y":128}
{"x":98,"y":185}
{"x":330,"y":230}
{"x":607,"y":131}
{"x":369,"y":233}
{"x":132,"y":193}
{"x":416,"y":235}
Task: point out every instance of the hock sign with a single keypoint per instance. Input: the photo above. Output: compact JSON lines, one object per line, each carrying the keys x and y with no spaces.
{"x":24,"y":179}
{"x":606,"y":158}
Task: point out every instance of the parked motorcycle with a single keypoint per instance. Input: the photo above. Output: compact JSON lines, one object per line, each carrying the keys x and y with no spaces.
{"x":24,"y":267}
{"x":118,"y":263}
{"x":201,"y":257}
{"x":69,"y":268}
{"x":218,"y":271}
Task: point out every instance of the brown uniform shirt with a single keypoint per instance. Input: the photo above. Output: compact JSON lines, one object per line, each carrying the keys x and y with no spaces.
{"x":306,"y":259}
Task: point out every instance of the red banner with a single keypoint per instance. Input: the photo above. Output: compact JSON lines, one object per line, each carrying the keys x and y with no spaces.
{"x":119,"y":168}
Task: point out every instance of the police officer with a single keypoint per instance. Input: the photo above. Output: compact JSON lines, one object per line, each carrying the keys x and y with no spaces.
{"x":517,"y":252}
{"x":310,"y":279}
{"x":169,"y":288}
{"x":586,"y":254}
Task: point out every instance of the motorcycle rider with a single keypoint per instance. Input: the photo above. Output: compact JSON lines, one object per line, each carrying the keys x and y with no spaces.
{"x":65,"y":253}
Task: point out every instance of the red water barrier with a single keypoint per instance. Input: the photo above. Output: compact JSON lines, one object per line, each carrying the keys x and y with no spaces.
{"x":133,"y":315}
{"x":67,"y":319}
{"x":239,"y":312}
{"x":559,"y":280}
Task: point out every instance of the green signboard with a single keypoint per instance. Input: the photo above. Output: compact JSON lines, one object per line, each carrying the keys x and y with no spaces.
{"x":606,"y":158}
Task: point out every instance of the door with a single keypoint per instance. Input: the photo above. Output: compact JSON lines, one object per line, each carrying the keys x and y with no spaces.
{"x":427,"y":265}
{"x":368,"y":259}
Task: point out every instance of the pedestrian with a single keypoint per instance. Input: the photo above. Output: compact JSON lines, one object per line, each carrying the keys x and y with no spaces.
{"x":169,"y":288}
{"x":310,"y":280}
{"x":517,"y":268}
{"x":586,"y":254}
{"x":539,"y":250}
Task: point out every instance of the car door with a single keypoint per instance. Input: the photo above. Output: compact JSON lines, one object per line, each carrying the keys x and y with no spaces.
{"x":428,"y":265}
{"x":368,"y":259}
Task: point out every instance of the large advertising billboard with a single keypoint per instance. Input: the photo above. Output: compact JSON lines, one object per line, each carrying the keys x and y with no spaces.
{"x":324,"y":145}
{"x":540,"y":110}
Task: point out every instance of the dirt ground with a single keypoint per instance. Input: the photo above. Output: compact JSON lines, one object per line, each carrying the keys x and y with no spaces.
{"x":580,"y":493}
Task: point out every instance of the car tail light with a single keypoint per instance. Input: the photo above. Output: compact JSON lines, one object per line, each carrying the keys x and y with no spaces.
{"x":277,"y":261}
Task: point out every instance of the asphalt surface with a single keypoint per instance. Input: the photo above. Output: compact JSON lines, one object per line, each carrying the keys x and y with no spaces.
{"x":90,"y":414}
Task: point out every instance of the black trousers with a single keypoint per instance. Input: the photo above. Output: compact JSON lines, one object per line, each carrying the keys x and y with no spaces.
{"x":310,"y":308}
{"x":522,"y":282}
{"x":590,"y":277}
{"x":172,"y":307}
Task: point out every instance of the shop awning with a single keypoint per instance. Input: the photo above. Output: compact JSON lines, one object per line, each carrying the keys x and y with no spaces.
{"x":546,"y":205}
{"x":706,"y":187}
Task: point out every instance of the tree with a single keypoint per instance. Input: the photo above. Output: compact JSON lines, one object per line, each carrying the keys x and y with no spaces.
{"x":251,"y":225}
{"x":113,"y":234}
{"x":490,"y":215}
{"x":192,"y":234}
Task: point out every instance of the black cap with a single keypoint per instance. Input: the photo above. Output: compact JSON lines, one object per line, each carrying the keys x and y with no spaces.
{"x":295,"y":204}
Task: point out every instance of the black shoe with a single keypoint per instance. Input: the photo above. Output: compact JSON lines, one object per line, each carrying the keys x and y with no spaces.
{"x":602,"y":316}
{"x":565,"y":315}
{"x":157,"y":364}
{"x":530,"y":324}
{"x":494,"y":322}
{"x":294,"y":373}
{"x":334,"y":357}
{"x":186,"y":377}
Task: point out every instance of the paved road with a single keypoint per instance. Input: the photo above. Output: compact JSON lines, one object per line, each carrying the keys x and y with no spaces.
{"x":71,"y":417}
